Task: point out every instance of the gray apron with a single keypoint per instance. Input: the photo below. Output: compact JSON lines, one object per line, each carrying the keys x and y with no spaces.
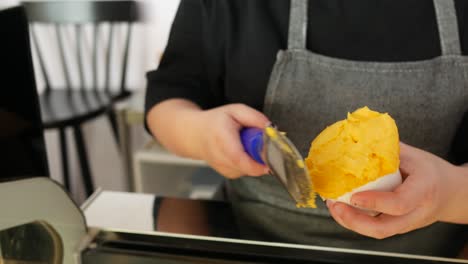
{"x":308,"y":91}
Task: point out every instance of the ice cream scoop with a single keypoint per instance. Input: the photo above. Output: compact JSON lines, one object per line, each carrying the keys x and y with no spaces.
{"x":356,"y":154}
{"x":271,"y":147}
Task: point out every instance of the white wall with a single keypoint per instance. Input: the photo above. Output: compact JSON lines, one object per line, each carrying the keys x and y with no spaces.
{"x":7,"y":3}
{"x":148,"y":43}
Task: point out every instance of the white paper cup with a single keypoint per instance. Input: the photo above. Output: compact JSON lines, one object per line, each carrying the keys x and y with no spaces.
{"x":385,"y":183}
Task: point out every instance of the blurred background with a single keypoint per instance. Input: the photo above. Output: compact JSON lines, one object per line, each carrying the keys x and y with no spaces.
{"x":131,"y":160}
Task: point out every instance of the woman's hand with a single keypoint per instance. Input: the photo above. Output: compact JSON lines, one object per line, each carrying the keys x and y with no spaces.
{"x":432,"y":190}
{"x":220,"y":140}
{"x":211,"y":135}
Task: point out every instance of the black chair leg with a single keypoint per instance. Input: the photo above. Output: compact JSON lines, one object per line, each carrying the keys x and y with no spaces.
{"x":64,"y":153}
{"x":113,"y":122}
{"x":83,"y":159}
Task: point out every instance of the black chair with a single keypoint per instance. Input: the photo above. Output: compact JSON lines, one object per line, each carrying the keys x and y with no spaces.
{"x":22,"y":147}
{"x":79,"y":28}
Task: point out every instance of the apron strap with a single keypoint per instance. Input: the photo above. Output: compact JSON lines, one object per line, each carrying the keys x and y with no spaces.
{"x":297,"y":34}
{"x":448,"y":27}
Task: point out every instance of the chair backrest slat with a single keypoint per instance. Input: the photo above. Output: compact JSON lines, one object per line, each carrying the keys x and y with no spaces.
{"x":95,"y":56}
{"x":125,"y":58}
{"x":109,"y":56}
{"x":79,"y":54}
{"x":60,"y":38}
{"x":36,"y":46}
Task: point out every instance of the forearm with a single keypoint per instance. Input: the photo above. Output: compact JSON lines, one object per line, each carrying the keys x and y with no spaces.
{"x":172,"y":123}
{"x":456,"y":210}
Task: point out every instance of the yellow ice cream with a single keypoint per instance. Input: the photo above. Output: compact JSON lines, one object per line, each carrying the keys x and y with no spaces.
{"x":353,"y":152}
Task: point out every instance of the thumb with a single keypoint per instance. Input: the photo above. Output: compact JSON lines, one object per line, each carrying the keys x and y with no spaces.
{"x":247,"y":116}
{"x":409,"y":158}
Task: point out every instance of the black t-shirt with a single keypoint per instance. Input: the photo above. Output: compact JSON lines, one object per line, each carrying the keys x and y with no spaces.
{"x":223,"y":51}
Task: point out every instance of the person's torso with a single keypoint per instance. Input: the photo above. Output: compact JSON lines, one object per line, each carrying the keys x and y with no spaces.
{"x":245,"y":36}
{"x":308,"y":91}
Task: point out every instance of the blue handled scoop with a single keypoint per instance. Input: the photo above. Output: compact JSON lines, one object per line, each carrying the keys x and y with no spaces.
{"x":272,"y":148}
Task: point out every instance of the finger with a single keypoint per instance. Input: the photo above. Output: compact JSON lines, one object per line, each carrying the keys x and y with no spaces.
{"x":247,"y":116}
{"x":226,"y":150}
{"x":238,"y":158}
{"x":227,"y":172}
{"x":410,"y":157}
{"x":241,"y":160}
{"x":404,"y":199}
{"x":229,"y":167}
{"x":379,"y":227}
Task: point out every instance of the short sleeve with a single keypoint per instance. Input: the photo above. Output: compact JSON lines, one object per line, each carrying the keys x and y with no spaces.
{"x":181,"y":73}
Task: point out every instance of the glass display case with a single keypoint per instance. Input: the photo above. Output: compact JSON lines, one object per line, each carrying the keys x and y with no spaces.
{"x":40,"y":224}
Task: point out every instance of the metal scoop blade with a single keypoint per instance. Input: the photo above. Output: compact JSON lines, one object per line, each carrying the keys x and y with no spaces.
{"x":273,"y":148}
